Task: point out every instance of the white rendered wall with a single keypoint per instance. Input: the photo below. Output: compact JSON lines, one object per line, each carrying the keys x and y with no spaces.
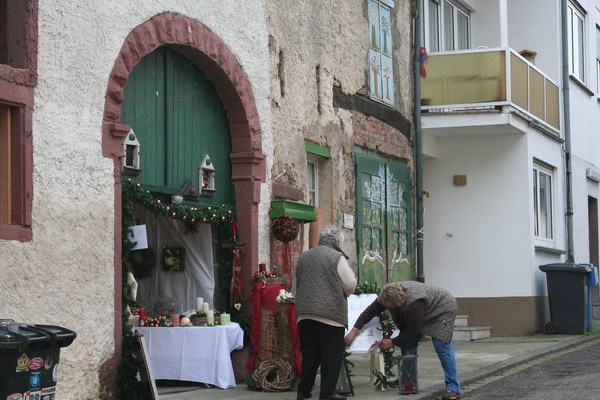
{"x":477,"y":239}
{"x":585,"y":135}
{"x":535,"y":25}
{"x":65,"y":275}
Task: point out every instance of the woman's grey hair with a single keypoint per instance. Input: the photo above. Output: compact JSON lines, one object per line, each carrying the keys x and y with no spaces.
{"x":332,"y":232}
{"x":392,"y":295}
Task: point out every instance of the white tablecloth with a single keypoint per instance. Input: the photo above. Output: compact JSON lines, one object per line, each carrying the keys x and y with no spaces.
{"x":196,"y":354}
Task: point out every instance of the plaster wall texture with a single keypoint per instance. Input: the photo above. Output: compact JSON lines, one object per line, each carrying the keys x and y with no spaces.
{"x":65,"y":276}
{"x":314,"y":47}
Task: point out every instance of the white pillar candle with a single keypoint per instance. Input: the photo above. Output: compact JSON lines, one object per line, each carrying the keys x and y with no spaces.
{"x":210,"y":317}
{"x":199,"y":303}
{"x":205,"y":307}
{"x":281,"y":292}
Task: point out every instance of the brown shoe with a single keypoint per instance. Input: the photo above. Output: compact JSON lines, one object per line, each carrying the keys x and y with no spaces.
{"x":450,"y":395}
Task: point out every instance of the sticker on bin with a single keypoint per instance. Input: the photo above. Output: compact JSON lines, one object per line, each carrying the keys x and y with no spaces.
{"x":36,"y":363}
{"x":15,"y":396}
{"x":37,"y":395}
{"x":23,"y":363}
{"x":34,"y":380}
{"x":55,"y":373}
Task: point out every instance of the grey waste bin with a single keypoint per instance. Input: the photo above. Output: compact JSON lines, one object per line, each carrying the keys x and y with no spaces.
{"x":567,"y":297}
{"x":29,"y":359}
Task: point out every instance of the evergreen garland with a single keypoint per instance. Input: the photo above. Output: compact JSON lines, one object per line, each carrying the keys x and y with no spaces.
{"x":132,"y":192}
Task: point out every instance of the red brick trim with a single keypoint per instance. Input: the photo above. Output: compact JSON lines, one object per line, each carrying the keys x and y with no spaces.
{"x":212,"y":56}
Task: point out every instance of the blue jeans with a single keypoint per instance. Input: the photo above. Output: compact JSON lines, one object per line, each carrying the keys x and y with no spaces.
{"x":445,"y":352}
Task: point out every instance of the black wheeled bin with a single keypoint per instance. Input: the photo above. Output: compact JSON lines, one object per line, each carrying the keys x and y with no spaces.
{"x":29,"y":359}
{"x":567,"y":297}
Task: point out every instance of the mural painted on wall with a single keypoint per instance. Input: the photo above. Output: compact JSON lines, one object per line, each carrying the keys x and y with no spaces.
{"x":385,"y":254}
{"x":381,"y":69}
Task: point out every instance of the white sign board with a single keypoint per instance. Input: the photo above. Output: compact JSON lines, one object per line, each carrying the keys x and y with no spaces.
{"x":369,"y":334}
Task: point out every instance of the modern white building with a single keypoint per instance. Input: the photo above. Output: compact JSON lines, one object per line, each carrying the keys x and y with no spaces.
{"x":502,"y":126}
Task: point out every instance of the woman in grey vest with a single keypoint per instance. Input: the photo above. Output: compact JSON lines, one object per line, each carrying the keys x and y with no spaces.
{"x":324,"y":280}
{"x":417,"y":309}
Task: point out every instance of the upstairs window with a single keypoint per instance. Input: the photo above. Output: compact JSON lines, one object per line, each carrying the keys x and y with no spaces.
{"x":381,"y":66}
{"x":447,"y":27}
{"x":576,"y":43}
{"x":597,"y":59}
{"x":12,"y":33}
{"x":543,"y":204}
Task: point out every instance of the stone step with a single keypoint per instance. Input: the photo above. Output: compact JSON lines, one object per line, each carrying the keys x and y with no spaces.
{"x":461,"y":320}
{"x":469,"y":333}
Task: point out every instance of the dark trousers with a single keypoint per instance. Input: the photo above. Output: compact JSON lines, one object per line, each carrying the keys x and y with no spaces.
{"x":323,"y":345}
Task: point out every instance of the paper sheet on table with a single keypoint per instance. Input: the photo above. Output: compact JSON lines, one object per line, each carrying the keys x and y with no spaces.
{"x":370,"y":332}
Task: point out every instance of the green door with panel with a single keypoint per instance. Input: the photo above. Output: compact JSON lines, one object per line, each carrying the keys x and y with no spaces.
{"x":178,"y":119}
{"x":383,"y":198}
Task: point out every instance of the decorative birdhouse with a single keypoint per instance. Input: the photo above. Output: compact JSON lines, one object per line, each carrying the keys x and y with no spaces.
{"x":206,"y":173}
{"x":131,"y":148}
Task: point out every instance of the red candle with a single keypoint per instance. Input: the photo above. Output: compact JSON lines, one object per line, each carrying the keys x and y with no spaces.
{"x":262,"y":267}
{"x":142,"y":315}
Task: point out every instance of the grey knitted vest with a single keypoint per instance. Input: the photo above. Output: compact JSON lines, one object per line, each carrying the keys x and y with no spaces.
{"x":318,"y":287}
{"x":440,"y":309}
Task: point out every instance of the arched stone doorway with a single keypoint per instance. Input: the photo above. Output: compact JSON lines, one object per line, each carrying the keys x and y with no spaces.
{"x":201,"y":46}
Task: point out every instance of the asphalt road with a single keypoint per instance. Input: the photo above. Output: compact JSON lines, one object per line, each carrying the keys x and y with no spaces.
{"x":575,"y":376}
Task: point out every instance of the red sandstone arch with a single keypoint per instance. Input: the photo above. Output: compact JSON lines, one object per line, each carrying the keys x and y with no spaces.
{"x":201,"y":46}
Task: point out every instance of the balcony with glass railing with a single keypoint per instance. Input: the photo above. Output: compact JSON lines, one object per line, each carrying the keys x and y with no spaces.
{"x":475,"y":79}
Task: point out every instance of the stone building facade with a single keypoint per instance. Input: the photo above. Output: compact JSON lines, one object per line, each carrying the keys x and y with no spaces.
{"x":295,"y":76}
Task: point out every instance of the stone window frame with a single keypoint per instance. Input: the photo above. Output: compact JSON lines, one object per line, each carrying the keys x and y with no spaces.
{"x":17,"y":83}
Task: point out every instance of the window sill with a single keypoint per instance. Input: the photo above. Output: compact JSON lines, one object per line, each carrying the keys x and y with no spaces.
{"x":550,"y":250}
{"x":15,"y":232}
{"x":582,"y":85}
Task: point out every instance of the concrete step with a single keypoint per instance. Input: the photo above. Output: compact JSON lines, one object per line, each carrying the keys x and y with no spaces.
{"x":469,"y":333}
{"x":461,"y":320}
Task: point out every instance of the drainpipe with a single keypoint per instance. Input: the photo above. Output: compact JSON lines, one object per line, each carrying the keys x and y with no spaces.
{"x":567,"y":125}
{"x":418,"y":148}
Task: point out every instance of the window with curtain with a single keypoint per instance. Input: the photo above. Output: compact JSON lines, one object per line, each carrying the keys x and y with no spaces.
{"x":576,"y":24}
{"x":543,"y":204}
{"x":381,"y":66}
{"x":447,"y":26}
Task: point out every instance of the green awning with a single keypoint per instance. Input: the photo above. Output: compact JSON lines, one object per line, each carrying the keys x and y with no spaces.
{"x":300,"y":211}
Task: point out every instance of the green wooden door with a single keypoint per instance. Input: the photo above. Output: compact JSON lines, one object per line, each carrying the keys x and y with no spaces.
{"x":383,"y":204}
{"x":178,"y":119}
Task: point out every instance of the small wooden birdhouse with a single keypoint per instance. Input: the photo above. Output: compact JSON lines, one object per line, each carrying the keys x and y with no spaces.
{"x":131,"y":148}
{"x":206,"y":174}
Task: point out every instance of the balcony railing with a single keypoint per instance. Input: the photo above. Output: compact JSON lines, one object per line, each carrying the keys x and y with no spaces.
{"x":492,"y":77}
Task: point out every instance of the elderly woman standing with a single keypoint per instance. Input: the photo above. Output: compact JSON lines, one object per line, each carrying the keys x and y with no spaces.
{"x":324,"y":280}
{"x":417,"y":309}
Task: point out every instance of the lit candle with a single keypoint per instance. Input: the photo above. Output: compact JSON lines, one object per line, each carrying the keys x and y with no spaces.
{"x":210,"y":317}
{"x":225,"y":319}
{"x":199,"y":303}
{"x":206,"y":307}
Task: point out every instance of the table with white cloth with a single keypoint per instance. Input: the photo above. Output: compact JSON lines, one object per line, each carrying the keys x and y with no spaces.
{"x":195,"y":353}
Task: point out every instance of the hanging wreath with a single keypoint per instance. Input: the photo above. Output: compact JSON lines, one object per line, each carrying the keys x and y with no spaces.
{"x":142,"y":262}
{"x":285,"y":228}
{"x":173,"y":259}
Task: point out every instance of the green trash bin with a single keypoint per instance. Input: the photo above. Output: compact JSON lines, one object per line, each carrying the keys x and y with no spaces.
{"x":29,"y":359}
{"x":567,"y":297}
